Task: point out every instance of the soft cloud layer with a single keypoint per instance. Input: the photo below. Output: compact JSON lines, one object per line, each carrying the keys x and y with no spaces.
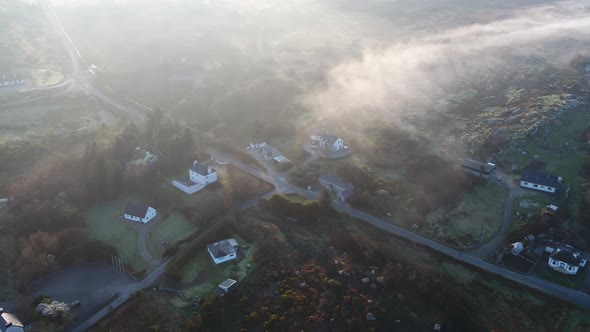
{"x":413,"y":71}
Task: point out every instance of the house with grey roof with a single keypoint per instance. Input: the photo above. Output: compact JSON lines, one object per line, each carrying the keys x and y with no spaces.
{"x":477,"y":168}
{"x":328,"y":142}
{"x":223,"y":251}
{"x":540,"y":181}
{"x":566,"y":259}
{"x":10,"y":323}
{"x":139,"y":212}
{"x":341,"y":189}
{"x":199,"y":176}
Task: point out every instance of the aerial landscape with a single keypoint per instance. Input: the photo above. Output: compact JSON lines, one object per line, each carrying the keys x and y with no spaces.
{"x":306,"y":165}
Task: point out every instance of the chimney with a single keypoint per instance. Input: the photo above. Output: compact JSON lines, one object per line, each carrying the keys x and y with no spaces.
{"x":195,"y":163}
{"x":559,"y":179}
{"x":209,"y":170}
{"x":1,"y":311}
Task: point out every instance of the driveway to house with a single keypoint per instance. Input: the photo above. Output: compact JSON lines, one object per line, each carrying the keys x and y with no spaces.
{"x":283,"y":186}
{"x":497,"y":241}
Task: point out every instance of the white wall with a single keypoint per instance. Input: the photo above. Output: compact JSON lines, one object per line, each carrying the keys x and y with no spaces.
{"x":223,"y":258}
{"x":151,"y":213}
{"x":202,"y":179}
{"x":537,"y":187}
{"x":558,"y":264}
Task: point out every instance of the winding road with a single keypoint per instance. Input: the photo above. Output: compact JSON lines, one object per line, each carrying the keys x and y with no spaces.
{"x":85,"y":78}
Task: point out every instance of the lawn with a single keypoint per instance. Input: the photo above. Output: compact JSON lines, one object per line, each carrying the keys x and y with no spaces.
{"x":103,"y":224}
{"x":296,"y":198}
{"x":561,"y":149}
{"x":171,"y":230}
{"x":480,"y":212}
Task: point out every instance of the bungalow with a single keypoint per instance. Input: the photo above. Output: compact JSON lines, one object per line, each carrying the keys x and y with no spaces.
{"x":9,"y":323}
{"x":223,"y":251}
{"x":227,"y":285}
{"x":540,"y":181}
{"x":566,"y":260}
{"x":139,"y":212}
{"x":328,"y":142}
{"x":257,"y":144}
{"x":342,"y":190}
{"x":477,"y":168}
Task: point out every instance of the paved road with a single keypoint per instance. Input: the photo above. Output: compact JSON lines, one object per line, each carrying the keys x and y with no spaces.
{"x":544,"y":286}
{"x":283,"y":186}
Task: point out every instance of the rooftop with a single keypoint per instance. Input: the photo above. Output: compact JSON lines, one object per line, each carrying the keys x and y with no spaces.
{"x":221,"y":248}
{"x":567,"y":255}
{"x":227,"y":283}
{"x":201,"y":169}
{"x":136,"y":209}
{"x":6,"y":318}
{"x":477,"y":166}
{"x":331,"y":139}
{"x":543,"y":179}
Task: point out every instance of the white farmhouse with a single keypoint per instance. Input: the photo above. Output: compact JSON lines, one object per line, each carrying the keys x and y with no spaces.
{"x":10,"y":323}
{"x":257,"y":144}
{"x":139,"y":212}
{"x":199,"y":176}
{"x":566,"y":260}
{"x":223,"y":251}
{"x":328,"y":142}
{"x":540,"y":181}
{"x":202,"y":174}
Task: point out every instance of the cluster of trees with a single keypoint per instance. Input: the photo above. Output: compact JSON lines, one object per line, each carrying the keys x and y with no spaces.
{"x":303,"y":212}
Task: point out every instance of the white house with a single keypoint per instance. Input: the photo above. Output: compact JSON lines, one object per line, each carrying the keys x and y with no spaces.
{"x":227,"y":285}
{"x":540,"y":181}
{"x":328,"y":142}
{"x":199,"y":176}
{"x":139,"y":212}
{"x":566,"y":260}
{"x":257,"y":145}
{"x":10,"y":323}
{"x":223,"y":251}
{"x":202,"y":174}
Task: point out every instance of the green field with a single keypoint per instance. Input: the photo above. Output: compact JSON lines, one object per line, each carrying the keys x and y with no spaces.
{"x":104,"y":224}
{"x":562,"y":160}
{"x":172,"y":229}
{"x":578,"y":321}
{"x":480,"y":212}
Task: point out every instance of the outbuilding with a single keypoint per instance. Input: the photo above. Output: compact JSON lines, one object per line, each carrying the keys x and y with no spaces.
{"x":228,"y":285}
{"x":540,"y":181}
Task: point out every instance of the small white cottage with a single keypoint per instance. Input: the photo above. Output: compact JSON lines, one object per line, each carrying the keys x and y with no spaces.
{"x":139,"y":212}
{"x":223,"y":251}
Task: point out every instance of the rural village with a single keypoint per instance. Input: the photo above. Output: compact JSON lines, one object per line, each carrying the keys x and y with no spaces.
{"x":138,"y":219}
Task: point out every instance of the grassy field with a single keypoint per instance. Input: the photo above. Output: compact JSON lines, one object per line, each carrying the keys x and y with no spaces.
{"x":562,"y":150}
{"x":201,"y":270}
{"x":578,"y":321}
{"x":480,"y":212}
{"x":104,"y":225}
{"x":171,"y":230}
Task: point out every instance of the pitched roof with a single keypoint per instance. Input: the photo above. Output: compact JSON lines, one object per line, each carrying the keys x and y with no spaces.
{"x":136,"y":209}
{"x":335,"y":181}
{"x":331,"y":139}
{"x":543,"y":179}
{"x":201,"y":169}
{"x":568,"y":256}
{"x":227,"y":283}
{"x":477,"y":166}
{"x":221,"y":248}
{"x":6,"y":318}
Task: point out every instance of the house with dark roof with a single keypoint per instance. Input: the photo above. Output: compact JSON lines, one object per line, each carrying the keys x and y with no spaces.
{"x":328,"y":142}
{"x":341,"y":189}
{"x":540,"y":181}
{"x":477,"y":168}
{"x":202,"y":174}
{"x":223,"y":251}
{"x":566,"y":259}
{"x":10,"y":323}
{"x":139,"y":212}
{"x":257,"y":144}
{"x":199,"y":176}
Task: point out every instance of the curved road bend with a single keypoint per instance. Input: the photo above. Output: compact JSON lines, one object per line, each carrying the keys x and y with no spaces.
{"x":544,"y":286}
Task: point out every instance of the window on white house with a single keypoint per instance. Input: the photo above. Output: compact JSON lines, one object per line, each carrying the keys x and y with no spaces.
{"x":534,"y":185}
